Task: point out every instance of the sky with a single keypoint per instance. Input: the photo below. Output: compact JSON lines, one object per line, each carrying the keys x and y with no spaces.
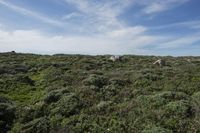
{"x":96,"y":27}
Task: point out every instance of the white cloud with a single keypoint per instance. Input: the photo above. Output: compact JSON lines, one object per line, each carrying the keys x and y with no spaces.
{"x":184,"y":41}
{"x":108,"y":35}
{"x":71,"y":16}
{"x":195,"y":24}
{"x":33,"y":14}
{"x":103,"y":16}
{"x":192,"y":24}
{"x":156,"y":6}
{"x":100,"y":16}
{"x":34,"y":41}
{"x":128,"y":32}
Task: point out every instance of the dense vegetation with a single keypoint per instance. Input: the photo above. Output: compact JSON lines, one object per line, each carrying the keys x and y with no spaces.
{"x":76,"y":93}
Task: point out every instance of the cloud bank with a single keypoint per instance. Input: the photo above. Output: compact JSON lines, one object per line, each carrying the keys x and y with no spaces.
{"x":34,"y":41}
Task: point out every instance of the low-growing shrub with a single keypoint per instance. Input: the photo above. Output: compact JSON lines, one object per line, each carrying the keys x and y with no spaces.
{"x":24,"y":79}
{"x":66,"y":106}
{"x":119,"y":82}
{"x":155,"y":129}
{"x":7,"y":114}
{"x":54,"y":96}
{"x":29,"y":113}
{"x":96,"y":80}
{"x":76,"y":93}
{"x":176,"y":115}
{"x":39,"y":125}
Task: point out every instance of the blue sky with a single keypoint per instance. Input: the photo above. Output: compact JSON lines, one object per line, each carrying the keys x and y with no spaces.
{"x":145,"y":27}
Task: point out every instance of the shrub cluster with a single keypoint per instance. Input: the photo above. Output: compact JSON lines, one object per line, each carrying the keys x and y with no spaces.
{"x":77,"y":93}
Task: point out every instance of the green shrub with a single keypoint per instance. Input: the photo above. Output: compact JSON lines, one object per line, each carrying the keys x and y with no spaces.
{"x":7,"y":114}
{"x":120,"y":82}
{"x":55,"y":121}
{"x":196,"y":99}
{"x":172,"y":95}
{"x":24,"y":79}
{"x":155,"y":129}
{"x":28,"y":113}
{"x":53,"y":76}
{"x":103,"y":104}
{"x":39,"y":125}
{"x":54,"y":96}
{"x":2,"y":69}
{"x":180,"y":108}
{"x":176,"y":115}
{"x":96,"y":80}
{"x":196,"y":110}
{"x":76,"y":93}
{"x":66,"y":106}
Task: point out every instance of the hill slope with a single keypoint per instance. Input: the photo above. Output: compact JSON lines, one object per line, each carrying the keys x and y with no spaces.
{"x":65,"y":93}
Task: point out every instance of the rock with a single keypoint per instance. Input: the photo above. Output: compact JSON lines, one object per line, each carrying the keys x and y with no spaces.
{"x":115,"y":58}
{"x":160,"y":62}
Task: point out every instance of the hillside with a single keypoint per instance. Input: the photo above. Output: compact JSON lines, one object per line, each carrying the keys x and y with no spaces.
{"x":77,"y":93}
